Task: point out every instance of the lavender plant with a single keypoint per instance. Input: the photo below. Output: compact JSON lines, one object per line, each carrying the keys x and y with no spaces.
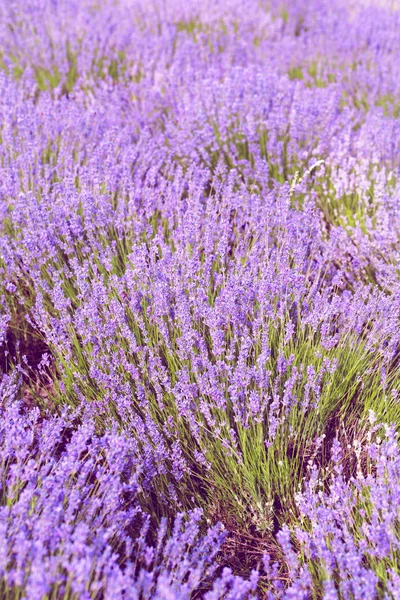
{"x":347,"y":536}
{"x":199,"y":247}
{"x":72,"y":525}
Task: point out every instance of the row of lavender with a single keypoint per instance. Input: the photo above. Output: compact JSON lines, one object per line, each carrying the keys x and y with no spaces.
{"x":199,"y":299}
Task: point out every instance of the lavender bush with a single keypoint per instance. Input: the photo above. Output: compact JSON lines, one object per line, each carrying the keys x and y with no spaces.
{"x":199,"y":299}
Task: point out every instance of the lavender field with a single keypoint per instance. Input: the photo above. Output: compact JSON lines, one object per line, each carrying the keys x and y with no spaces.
{"x":199,"y":299}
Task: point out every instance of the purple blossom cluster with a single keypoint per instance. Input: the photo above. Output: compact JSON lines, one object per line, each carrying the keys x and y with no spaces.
{"x":71,"y":524}
{"x":199,"y":299}
{"x":348,"y":528}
